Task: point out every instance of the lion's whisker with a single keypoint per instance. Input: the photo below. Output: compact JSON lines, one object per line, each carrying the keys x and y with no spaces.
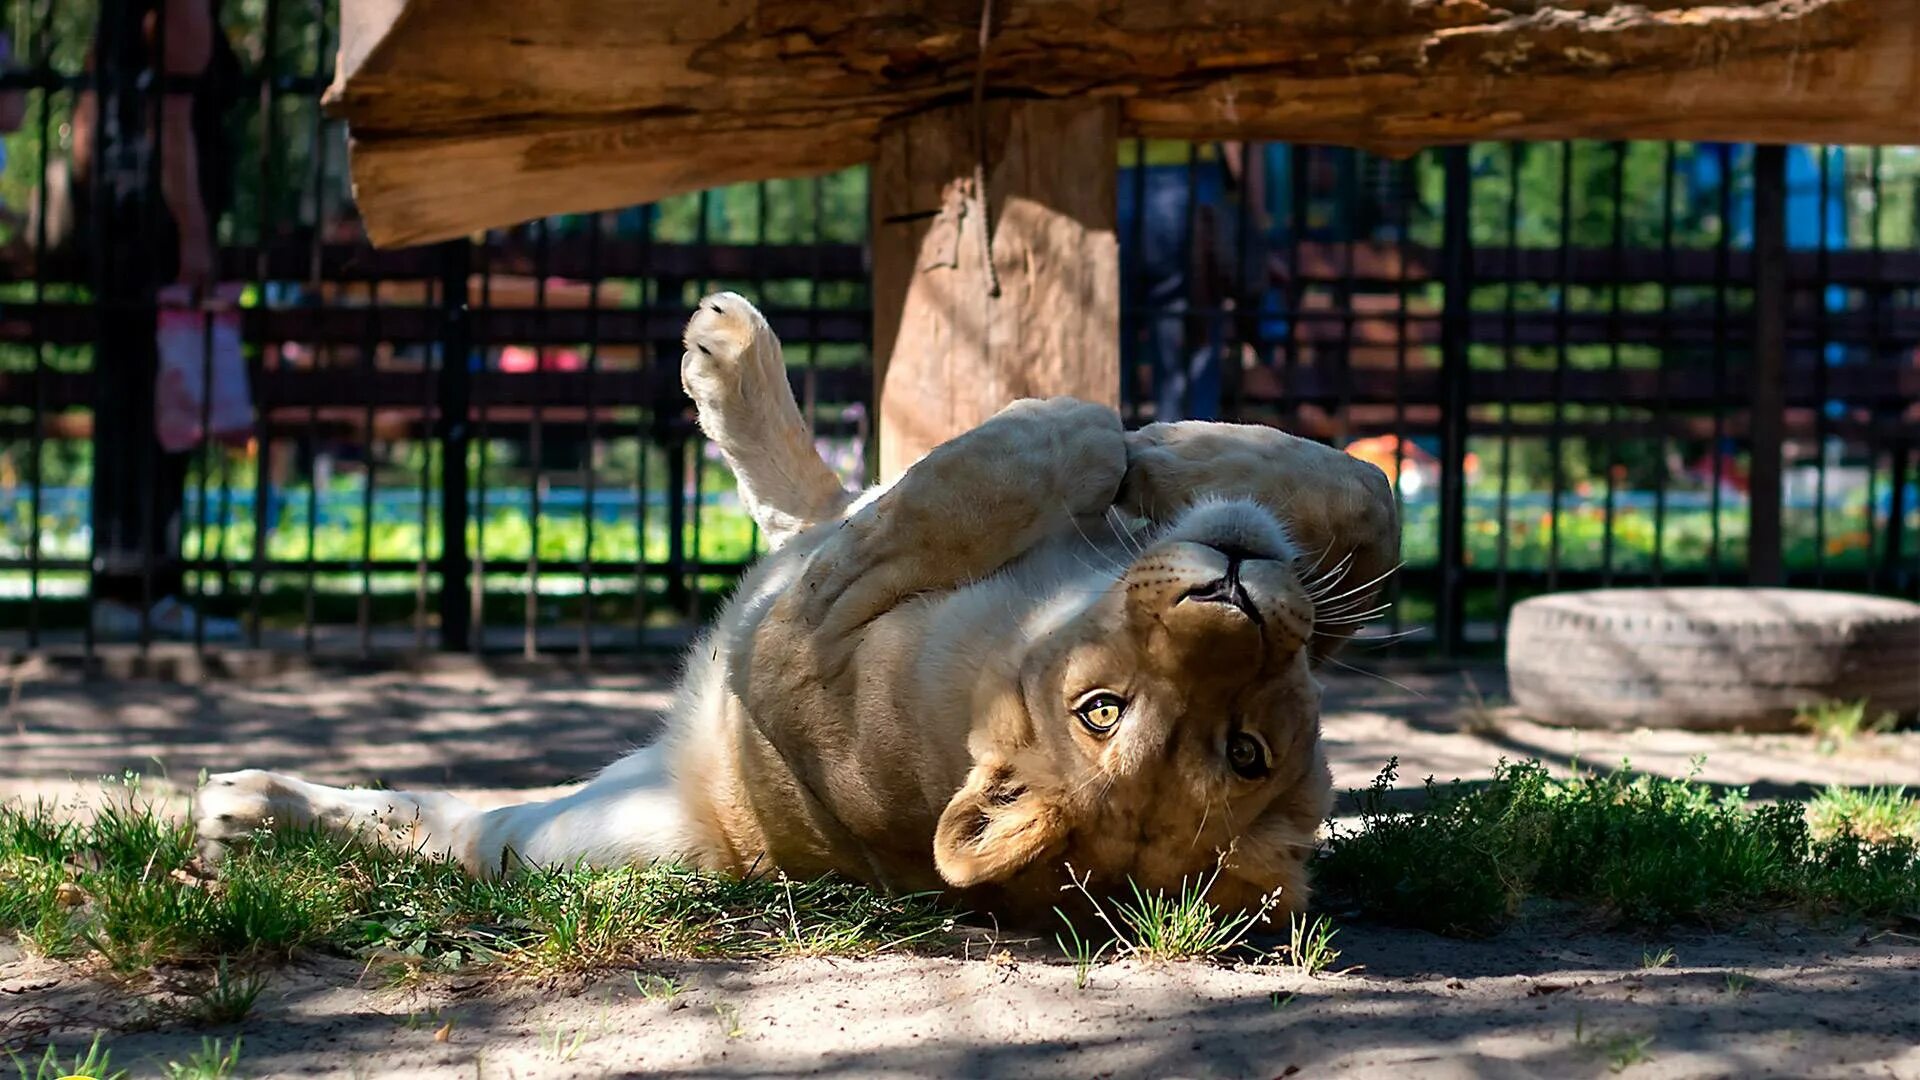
{"x":1374,"y":641}
{"x":1375,"y":675}
{"x":1349,"y":611}
{"x":1382,"y":576}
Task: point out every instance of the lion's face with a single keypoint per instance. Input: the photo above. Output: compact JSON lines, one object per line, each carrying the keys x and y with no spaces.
{"x":1158,"y":721}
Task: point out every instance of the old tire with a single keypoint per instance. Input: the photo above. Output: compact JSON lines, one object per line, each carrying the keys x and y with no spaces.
{"x":1709,"y":658}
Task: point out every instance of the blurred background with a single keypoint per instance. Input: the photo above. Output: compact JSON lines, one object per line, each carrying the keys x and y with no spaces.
{"x":518,"y":391}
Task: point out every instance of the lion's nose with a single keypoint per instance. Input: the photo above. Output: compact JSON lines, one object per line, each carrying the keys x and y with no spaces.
{"x":1220,"y":590}
{"x":1225,"y":589}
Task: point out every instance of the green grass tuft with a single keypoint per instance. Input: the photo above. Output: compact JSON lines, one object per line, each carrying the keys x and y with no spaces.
{"x":127,"y":890}
{"x":96,"y":1064}
{"x":213,"y":1061}
{"x":1876,"y":815}
{"x":1836,"y":724}
{"x":1639,"y":850}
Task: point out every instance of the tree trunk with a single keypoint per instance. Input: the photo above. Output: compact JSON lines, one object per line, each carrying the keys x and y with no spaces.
{"x":955,"y":340}
{"x":476,"y":113}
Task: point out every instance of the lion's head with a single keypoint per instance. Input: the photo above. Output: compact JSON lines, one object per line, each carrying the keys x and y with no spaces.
{"x":1151,"y":719}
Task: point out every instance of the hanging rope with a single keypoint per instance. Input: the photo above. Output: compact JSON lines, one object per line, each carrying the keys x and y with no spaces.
{"x":980,"y":148}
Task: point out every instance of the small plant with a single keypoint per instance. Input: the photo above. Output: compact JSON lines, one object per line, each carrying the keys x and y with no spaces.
{"x":1082,"y":952}
{"x":95,"y":1064}
{"x":213,"y":1061}
{"x":1277,"y":1001}
{"x":657,"y":987}
{"x":1622,"y":1050}
{"x":1739,"y":983}
{"x":225,"y":998}
{"x":1186,"y":926}
{"x":1480,"y":713}
{"x":729,"y":1020}
{"x":1310,"y":944}
{"x":1876,"y":815}
{"x":1653,"y":961}
{"x":1835,"y":724}
{"x":562,"y":1044}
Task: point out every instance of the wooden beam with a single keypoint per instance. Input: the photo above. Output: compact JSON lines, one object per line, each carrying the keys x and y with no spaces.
{"x":954,"y":343}
{"x":475,"y":113}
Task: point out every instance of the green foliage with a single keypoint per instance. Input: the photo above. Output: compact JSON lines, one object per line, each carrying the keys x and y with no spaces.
{"x":1836,"y":724}
{"x":1636,"y":849}
{"x":215,"y":1060}
{"x":94,"y":1063}
{"x":1156,"y":926}
{"x":1877,"y":815}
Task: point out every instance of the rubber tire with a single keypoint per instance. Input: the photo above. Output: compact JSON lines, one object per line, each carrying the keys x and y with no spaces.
{"x":1711,"y":659}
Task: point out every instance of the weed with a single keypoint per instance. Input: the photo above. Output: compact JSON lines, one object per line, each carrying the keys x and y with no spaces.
{"x":1277,"y":1001}
{"x":657,"y":987}
{"x":1639,"y":850}
{"x":95,"y":1063}
{"x":1310,"y":944}
{"x":224,"y":998}
{"x":1480,"y":713}
{"x":1081,"y":951}
{"x":1876,"y":815}
{"x":562,"y":1044}
{"x":729,"y":1020}
{"x":1186,"y":926}
{"x":1622,"y":1050}
{"x":1739,"y":983}
{"x":1653,"y":961}
{"x":214,"y":1061}
{"x":1835,"y":724}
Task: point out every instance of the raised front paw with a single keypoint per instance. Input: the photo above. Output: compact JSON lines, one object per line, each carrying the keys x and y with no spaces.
{"x":1077,"y":444}
{"x":725,"y":342}
{"x":232,"y":806}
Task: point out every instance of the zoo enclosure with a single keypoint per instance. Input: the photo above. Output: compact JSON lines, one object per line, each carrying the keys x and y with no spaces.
{"x":1586,"y":363}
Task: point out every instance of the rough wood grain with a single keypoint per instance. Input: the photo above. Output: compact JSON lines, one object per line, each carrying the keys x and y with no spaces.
{"x":472,"y":113}
{"x":948,"y":353}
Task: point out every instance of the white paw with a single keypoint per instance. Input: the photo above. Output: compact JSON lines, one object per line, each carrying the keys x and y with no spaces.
{"x":722,"y":338}
{"x":230,"y":806}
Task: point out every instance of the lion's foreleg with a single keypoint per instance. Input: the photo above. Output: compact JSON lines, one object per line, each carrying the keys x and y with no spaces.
{"x":734,"y":371}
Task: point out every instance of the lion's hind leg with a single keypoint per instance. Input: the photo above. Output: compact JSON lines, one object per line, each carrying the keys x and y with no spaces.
{"x":734,"y":371}
{"x":627,"y":816}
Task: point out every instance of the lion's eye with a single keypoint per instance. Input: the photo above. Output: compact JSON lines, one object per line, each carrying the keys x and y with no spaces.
{"x":1247,"y":755}
{"x":1100,"y":711}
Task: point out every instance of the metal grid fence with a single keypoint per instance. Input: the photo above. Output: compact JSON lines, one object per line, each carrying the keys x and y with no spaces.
{"x":1582,"y":363}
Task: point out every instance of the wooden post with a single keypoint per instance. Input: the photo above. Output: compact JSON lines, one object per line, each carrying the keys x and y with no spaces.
{"x":949,"y":352}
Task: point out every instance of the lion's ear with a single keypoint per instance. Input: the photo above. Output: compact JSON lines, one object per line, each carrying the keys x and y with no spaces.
{"x":995,"y":827}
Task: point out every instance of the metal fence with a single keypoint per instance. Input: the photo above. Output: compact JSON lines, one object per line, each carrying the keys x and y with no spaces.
{"x":1589,"y":363}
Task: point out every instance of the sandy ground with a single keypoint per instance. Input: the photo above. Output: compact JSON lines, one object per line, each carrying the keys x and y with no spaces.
{"x":1543,"y":999}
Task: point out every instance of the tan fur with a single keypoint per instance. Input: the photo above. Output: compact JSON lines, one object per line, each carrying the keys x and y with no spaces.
{"x":890,"y":696}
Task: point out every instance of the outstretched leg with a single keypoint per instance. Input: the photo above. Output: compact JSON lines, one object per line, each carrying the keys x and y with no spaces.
{"x":734,"y":371}
{"x":626,"y":816}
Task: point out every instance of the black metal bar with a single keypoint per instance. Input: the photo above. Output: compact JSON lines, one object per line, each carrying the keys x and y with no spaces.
{"x":1823,"y":341}
{"x":1618,"y":243}
{"x":456,"y":607}
{"x":1723,"y":250}
{"x":1768,"y":424}
{"x":1458,"y":230}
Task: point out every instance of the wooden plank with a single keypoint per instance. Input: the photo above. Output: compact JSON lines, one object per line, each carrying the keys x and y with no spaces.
{"x":953,"y":343}
{"x":474,"y":113}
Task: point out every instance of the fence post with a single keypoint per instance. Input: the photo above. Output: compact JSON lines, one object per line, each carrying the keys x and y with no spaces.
{"x":455,"y":397}
{"x":1455,"y":329}
{"x":1767,"y":428}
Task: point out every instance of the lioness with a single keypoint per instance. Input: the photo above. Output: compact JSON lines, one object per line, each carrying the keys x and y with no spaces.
{"x":1050,"y":642}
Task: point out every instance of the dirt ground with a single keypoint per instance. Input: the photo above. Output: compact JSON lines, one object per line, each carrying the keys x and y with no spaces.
{"x":1542,"y":999}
